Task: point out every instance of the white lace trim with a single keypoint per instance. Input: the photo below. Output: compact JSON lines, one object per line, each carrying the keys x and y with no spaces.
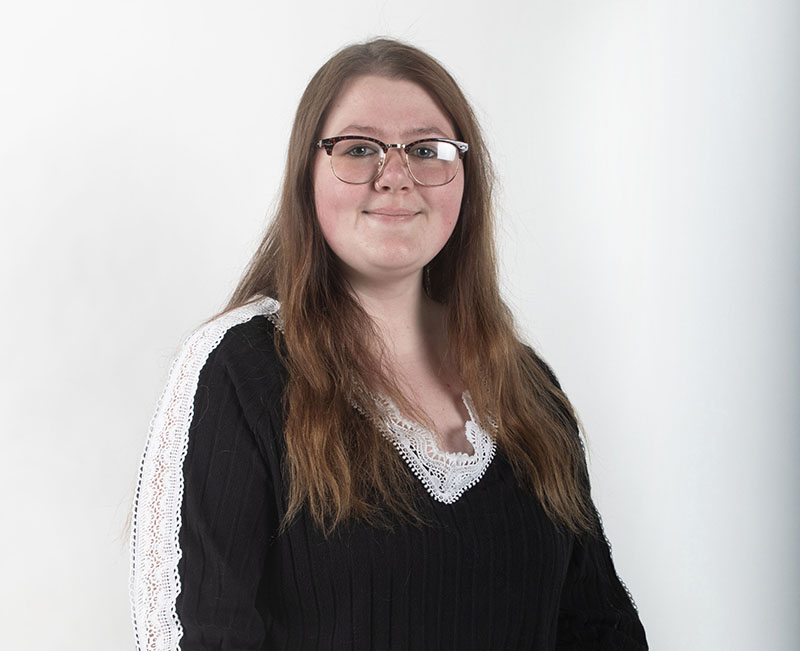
{"x":445,"y":475}
{"x":155,"y":551}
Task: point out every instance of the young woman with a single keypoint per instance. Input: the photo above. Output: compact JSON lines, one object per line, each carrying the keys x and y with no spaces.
{"x":359,"y":453}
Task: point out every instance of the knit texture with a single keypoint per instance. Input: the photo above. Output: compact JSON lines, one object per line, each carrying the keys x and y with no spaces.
{"x":487,"y":571}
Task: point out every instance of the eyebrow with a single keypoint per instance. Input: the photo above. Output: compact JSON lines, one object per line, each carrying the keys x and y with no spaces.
{"x":357,"y":129}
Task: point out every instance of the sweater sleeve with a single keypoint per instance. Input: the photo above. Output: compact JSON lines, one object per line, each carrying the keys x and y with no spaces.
{"x":596,"y":611}
{"x":205,"y":509}
{"x":228,"y":520}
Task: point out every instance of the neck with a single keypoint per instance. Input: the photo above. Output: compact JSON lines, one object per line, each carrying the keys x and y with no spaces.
{"x":409,"y":323}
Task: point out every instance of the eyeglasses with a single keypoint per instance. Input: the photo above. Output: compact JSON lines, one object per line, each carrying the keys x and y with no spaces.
{"x":360,"y":159}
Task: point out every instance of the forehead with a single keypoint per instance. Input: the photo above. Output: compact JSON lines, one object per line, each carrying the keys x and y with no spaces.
{"x":386,"y":109}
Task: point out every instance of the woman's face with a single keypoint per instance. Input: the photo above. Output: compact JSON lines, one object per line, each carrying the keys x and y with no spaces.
{"x":386,"y":230}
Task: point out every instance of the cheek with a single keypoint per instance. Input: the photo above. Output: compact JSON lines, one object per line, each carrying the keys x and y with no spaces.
{"x":451,"y":205}
{"x":336,"y":205}
{"x":322,"y":185}
{"x":326,"y":194}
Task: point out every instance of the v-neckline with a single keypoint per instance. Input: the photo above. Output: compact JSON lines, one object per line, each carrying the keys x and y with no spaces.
{"x":445,"y":475}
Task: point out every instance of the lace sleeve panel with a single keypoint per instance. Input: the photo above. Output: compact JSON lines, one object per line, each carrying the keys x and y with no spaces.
{"x":155,"y":550}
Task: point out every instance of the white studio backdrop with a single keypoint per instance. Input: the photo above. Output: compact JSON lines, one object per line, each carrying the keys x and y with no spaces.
{"x":649,"y":158}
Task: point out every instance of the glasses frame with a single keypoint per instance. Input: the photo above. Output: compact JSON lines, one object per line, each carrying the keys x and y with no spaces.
{"x":328,"y":143}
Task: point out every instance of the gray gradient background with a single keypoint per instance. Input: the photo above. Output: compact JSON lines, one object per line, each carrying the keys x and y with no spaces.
{"x":649,"y":157}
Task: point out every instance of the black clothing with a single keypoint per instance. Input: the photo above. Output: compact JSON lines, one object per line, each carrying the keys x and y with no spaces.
{"x":489,"y":572}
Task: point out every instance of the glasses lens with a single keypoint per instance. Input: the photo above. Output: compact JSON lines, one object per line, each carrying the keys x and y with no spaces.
{"x":356,"y":161}
{"x":432,"y":162}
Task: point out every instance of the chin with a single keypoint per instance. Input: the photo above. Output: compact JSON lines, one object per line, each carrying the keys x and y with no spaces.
{"x":396,"y":257}
{"x":389,"y":269}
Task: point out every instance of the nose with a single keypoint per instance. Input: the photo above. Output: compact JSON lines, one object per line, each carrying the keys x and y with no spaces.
{"x":394,"y":174}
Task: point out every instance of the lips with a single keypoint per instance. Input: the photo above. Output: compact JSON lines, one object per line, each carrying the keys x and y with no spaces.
{"x":392,"y":211}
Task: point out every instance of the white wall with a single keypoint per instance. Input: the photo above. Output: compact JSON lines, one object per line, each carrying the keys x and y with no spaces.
{"x":649,"y":154}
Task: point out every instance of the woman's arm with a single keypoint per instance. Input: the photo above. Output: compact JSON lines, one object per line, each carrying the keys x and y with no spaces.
{"x":204,"y":512}
{"x":596,"y":611}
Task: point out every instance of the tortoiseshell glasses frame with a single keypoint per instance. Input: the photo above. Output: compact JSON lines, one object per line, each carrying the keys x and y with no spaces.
{"x":441,"y":166}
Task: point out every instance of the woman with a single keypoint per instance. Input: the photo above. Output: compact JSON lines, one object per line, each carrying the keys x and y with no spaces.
{"x":359,"y":453}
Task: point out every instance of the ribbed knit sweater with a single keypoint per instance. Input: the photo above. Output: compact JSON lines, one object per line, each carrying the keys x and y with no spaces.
{"x":210,"y":570}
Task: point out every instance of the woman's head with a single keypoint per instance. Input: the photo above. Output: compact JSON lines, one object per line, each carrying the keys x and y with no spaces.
{"x":385,"y":214}
{"x":402,"y":64}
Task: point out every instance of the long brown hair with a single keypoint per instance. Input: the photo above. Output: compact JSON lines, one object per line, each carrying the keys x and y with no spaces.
{"x":339,"y":466}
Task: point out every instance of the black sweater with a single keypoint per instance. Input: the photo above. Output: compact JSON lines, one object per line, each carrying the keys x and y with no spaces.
{"x":210,"y":571}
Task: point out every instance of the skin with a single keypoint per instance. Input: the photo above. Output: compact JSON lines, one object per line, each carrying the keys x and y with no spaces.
{"x":385,"y":232}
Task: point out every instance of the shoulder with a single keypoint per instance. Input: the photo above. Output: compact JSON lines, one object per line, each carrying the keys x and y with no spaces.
{"x":229,"y":351}
{"x":542,"y":365}
{"x":240,"y":345}
{"x":245,"y":334}
{"x":249,"y":318}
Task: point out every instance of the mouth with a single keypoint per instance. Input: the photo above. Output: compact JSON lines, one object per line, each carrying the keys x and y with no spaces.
{"x":397,"y":213}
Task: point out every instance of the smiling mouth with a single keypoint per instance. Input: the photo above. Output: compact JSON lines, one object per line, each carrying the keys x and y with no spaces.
{"x":391,"y":212}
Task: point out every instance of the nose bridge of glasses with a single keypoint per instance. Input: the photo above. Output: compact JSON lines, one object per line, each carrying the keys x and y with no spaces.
{"x":401,"y":154}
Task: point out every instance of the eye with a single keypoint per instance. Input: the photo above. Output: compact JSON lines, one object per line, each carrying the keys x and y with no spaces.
{"x":360,"y":150}
{"x":424,"y":150}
